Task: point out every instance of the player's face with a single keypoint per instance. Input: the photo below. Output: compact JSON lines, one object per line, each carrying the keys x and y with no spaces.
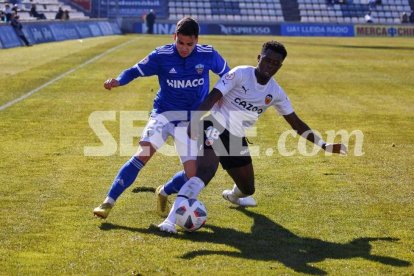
{"x":269,"y":63}
{"x":185,"y":44}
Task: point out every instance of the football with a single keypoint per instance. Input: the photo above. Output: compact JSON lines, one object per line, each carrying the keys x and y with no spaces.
{"x":191,"y":215}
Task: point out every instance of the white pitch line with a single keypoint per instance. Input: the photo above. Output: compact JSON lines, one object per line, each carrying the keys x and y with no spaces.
{"x":21,"y":98}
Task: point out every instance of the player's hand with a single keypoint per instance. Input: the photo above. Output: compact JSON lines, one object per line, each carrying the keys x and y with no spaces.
{"x":336,"y":148}
{"x":111,"y":83}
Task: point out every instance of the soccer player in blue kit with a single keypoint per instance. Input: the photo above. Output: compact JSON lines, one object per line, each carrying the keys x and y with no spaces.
{"x":183,"y":75}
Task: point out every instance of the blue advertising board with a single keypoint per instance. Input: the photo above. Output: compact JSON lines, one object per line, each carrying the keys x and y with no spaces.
{"x":95,"y":30}
{"x":159,"y":28}
{"x":240,"y":29}
{"x":218,"y":29}
{"x":64,"y":31}
{"x":39,"y":33}
{"x":106,"y":28}
{"x":8,"y":37}
{"x":115,"y":28}
{"x":83,"y":29}
{"x":316,"y":30}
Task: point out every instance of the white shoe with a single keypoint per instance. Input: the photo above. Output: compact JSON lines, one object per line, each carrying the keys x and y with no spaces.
{"x":228,"y":195}
{"x":247,"y":201}
{"x":167,"y":226}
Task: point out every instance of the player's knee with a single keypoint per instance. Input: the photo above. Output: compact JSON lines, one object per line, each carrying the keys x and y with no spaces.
{"x":206,"y":173}
{"x":190,"y":169}
{"x":190,"y":174}
{"x":145,"y":152}
{"x":143,"y":159}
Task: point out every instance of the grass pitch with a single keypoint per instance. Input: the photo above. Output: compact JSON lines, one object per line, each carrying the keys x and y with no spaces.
{"x":322,"y":214}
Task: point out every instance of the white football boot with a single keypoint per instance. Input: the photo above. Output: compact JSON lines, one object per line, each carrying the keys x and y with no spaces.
{"x":247,"y":201}
{"x":167,"y":226}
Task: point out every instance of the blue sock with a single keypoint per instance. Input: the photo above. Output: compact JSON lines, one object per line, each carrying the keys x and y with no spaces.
{"x":126,"y":176}
{"x":175,"y":183}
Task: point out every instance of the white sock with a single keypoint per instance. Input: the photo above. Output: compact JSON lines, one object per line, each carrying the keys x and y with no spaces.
{"x":236,"y":192}
{"x":162,"y":192}
{"x":109,"y":200}
{"x":190,"y":189}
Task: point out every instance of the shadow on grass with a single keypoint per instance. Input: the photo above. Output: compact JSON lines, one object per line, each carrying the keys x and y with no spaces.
{"x":142,"y":189}
{"x":269,"y":241}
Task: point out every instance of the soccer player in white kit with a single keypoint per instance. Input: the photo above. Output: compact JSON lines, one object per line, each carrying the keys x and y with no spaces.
{"x":235,"y":104}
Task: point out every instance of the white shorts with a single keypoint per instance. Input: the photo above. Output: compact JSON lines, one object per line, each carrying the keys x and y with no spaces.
{"x":159,"y":128}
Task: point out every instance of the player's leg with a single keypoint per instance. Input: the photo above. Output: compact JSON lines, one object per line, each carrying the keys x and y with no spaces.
{"x":243,"y":188}
{"x":244,"y":178}
{"x":240,"y":168}
{"x":151,"y":139}
{"x":129,"y":171}
{"x":178,"y":180}
{"x":187,"y":150}
{"x":125,"y":177}
{"x":207,"y":165}
{"x":173,"y":186}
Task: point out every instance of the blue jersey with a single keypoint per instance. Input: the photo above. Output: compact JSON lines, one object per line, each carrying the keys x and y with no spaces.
{"x":184,"y":82}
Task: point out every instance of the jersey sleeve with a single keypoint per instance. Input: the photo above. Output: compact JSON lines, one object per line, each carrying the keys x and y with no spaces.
{"x":229,"y":81}
{"x":282,"y":103}
{"x":149,"y":66}
{"x":219,"y":64}
{"x":128,"y":75}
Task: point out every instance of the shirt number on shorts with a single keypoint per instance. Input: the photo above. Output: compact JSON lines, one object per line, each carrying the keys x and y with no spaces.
{"x":211,"y":135}
{"x":155,"y":127}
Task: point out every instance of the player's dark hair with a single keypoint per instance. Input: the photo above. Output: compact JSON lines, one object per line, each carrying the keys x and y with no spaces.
{"x":188,"y":27}
{"x":276,"y":47}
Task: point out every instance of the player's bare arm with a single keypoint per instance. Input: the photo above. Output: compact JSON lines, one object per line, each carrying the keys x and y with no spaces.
{"x":302,"y":128}
{"x":111,"y":83}
{"x":214,"y":96}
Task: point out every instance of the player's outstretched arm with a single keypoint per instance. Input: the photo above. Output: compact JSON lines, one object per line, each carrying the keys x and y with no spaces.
{"x":304,"y":130}
{"x":111,"y":83}
{"x":124,"y":78}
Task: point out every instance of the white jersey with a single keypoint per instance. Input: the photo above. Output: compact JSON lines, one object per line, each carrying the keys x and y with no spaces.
{"x":244,"y":100}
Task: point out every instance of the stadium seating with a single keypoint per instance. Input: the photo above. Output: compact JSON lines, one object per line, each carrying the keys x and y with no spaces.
{"x":227,"y":10}
{"x":264,"y":11}
{"x":48,"y":7}
{"x":389,"y":12}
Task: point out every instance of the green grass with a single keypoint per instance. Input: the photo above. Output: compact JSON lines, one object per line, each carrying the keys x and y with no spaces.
{"x":322,"y":214}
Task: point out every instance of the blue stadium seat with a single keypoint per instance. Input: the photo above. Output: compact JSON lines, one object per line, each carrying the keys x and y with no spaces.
{"x":271,"y":10}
